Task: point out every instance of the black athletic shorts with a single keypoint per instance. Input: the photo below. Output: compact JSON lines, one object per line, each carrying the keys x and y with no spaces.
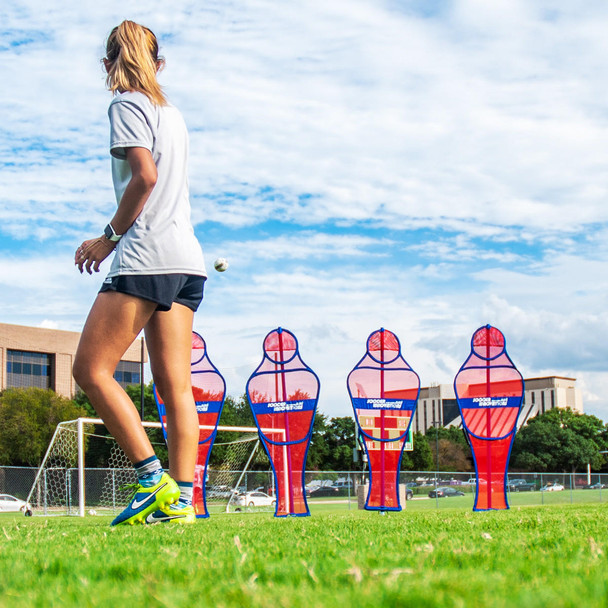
{"x":164,"y":289}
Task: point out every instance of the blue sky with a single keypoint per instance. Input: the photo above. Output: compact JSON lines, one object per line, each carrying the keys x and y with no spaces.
{"x":428,"y":167}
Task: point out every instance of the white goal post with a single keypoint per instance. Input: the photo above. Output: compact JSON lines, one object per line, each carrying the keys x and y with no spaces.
{"x":63,"y":467}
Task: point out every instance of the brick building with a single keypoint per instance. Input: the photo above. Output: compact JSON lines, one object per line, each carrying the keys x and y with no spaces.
{"x":43,"y":358}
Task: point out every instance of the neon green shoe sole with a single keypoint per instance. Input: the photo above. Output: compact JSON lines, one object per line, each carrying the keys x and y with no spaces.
{"x":148,"y":500}
{"x":173,"y":515}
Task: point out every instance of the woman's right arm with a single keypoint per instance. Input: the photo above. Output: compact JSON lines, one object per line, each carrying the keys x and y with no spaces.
{"x":92,"y":252}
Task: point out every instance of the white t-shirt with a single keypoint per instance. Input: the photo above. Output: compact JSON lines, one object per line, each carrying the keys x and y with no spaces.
{"x":161,"y":240}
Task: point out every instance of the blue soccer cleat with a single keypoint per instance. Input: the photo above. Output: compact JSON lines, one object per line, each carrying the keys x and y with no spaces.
{"x":148,"y":500}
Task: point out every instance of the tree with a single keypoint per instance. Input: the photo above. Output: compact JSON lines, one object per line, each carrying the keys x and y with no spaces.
{"x":560,"y":440}
{"x":421,"y":458}
{"x":341,"y":442}
{"x":454,"y":450}
{"x":236,"y":412}
{"x":28,"y":418}
{"x":98,"y":449}
{"x":319,"y":450}
{"x":452,"y":456}
{"x":453,"y":434}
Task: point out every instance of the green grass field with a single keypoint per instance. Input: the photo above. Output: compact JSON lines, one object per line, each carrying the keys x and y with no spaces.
{"x":527,"y":557}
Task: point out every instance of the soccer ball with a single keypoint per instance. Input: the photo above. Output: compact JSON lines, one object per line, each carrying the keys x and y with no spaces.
{"x":92,"y":512}
{"x":221,"y":264}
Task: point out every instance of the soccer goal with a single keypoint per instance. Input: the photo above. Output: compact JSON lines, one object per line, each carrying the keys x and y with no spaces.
{"x":64,"y":485}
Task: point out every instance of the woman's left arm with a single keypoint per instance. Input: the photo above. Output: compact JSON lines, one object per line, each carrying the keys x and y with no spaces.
{"x":143,"y":179}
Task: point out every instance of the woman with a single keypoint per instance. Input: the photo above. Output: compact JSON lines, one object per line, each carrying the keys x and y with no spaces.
{"x":155,"y":281}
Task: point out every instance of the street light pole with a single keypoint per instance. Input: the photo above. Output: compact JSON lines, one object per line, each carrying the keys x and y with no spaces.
{"x":436,"y":425}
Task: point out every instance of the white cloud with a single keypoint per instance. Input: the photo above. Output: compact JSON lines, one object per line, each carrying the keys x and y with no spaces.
{"x":308,"y":245}
{"x":390,"y":117}
{"x":37,"y":288}
{"x":361,"y":165}
{"x":49,"y":324}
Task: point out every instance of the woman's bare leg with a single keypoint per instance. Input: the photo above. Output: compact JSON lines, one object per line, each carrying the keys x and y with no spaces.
{"x":169,"y":339}
{"x":113,"y":324}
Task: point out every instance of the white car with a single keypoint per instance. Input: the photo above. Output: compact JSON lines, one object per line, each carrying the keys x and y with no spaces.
{"x":10,"y":504}
{"x":254,"y":499}
{"x":552,"y":487}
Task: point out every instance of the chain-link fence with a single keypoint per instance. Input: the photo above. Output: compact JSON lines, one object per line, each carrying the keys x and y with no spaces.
{"x":345,"y":488}
{"x":17,"y":481}
{"x":523,"y":489}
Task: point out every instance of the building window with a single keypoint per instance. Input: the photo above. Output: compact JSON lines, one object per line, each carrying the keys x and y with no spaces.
{"x":426,"y":426}
{"x":542,"y":402}
{"x":450,"y":411}
{"x":25,"y":369}
{"x":552,"y":398}
{"x":127,"y":373}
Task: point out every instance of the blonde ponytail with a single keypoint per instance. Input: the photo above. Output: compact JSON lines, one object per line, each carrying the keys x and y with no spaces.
{"x":132,"y":61}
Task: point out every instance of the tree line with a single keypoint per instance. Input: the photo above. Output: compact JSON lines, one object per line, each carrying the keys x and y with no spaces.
{"x":559,"y":440}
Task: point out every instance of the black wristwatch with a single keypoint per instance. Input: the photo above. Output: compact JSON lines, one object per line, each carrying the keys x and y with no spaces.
{"x":111,"y":234}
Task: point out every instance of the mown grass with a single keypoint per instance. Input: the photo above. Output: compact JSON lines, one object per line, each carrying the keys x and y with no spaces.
{"x":527,"y":557}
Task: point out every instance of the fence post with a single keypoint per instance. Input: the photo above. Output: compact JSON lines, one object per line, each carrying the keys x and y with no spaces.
{"x":81,"y":494}
{"x":348,"y":482}
{"x":45,"y":494}
{"x":113,"y":490}
{"x":68,"y":489}
{"x":542,"y":494}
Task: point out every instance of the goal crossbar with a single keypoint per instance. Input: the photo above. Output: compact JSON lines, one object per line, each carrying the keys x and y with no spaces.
{"x":158,"y":425}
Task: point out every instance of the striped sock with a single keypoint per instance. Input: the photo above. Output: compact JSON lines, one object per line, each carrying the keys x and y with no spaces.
{"x":149,"y":471}
{"x":186,"y":490}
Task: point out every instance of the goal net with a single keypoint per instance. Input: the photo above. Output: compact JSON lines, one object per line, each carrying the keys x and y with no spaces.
{"x":66,"y":485}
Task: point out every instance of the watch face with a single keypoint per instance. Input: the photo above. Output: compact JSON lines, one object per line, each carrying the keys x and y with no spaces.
{"x":111,"y":235}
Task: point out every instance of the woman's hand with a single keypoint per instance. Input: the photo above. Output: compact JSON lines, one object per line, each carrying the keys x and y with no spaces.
{"x":143,"y":179}
{"x":92,"y":253}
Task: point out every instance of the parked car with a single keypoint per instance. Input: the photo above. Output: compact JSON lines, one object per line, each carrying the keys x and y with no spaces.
{"x":552,"y":487}
{"x":595,"y":486}
{"x":254,"y":499}
{"x":323,"y":491}
{"x":520,"y":485}
{"x":10,"y":504}
{"x":343,"y":483}
{"x":345,"y":486}
{"x":218,"y":492}
{"x":445,"y":492}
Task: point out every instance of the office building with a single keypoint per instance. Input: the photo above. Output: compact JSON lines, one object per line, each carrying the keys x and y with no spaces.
{"x":437,"y":405}
{"x":43,"y":358}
